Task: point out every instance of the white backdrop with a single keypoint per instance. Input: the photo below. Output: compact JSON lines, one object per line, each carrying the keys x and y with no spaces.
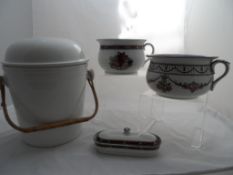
{"x":87,"y":20}
{"x":209,"y":29}
{"x":15,"y":24}
{"x":175,"y":26}
{"x":197,"y":27}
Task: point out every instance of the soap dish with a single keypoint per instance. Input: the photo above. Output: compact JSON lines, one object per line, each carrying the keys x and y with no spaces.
{"x":127,"y":143}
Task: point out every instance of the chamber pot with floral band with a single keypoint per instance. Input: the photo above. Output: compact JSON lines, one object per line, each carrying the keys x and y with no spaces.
{"x":46,"y":78}
{"x":122,"y":56}
{"x":183,"y":76}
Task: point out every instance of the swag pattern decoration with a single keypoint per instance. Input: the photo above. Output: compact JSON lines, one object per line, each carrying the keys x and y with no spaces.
{"x":180,"y":69}
{"x":164,"y":83}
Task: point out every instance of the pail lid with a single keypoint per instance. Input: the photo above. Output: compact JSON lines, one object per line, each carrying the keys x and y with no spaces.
{"x":44,"y":51}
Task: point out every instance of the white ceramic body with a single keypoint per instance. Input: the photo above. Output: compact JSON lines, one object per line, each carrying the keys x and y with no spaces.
{"x":44,"y":94}
{"x":112,"y":49}
{"x":184,"y":76}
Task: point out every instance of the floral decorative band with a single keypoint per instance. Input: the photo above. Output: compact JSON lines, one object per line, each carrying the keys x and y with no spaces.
{"x":165,"y":84}
{"x":127,"y":47}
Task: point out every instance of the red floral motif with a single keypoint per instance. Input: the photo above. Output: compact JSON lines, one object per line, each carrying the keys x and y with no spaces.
{"x":193,"y":86}
{"x":121,"y":61}
{"x":164,"y":85}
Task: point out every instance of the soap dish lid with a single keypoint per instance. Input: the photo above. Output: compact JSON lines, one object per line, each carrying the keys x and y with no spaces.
{"x":127,"y":140}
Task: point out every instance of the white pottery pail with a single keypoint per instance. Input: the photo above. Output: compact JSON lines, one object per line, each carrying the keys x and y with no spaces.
{"x":46,"y":78}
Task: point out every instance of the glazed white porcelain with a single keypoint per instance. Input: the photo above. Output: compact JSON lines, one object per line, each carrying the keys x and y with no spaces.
{"x":46,"y":78}
{"x":122,"y":56}
{"x":40,"y":50}
{"x":127,"y":143}
{"x":183,"y":76}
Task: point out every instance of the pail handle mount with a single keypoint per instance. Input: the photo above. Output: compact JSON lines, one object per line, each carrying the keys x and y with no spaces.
{"x":57,"y":124}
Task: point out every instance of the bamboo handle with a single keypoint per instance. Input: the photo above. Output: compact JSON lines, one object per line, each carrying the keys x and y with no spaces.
{"x":57,"y":124}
